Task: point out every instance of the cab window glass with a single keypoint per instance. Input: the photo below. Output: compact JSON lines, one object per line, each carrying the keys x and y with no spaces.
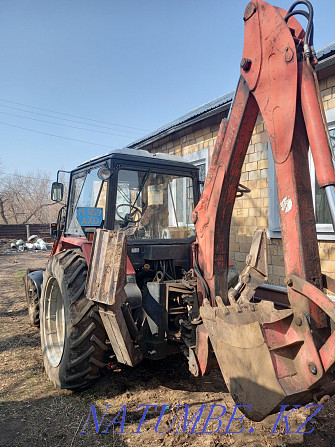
{"x":158,"y":206}
{"x":87,"y":190}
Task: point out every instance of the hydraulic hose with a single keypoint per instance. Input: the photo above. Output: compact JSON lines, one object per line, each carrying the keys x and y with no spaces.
{"x":310,"y":15}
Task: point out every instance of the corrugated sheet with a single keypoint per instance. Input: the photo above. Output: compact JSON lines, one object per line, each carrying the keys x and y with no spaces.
{"x":214,"y":104}
{"x":325,"y":51}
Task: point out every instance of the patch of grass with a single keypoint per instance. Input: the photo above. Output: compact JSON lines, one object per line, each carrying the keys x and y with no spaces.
{"x":19,"y":275}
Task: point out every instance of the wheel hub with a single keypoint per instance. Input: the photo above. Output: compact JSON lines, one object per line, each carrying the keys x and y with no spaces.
{"x":54,"y":324}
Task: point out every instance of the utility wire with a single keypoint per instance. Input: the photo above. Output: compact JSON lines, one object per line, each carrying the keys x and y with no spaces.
{"x":66,"y":119}
{"x":43,"y":176}
{"x":25,"y":176}
{"x":57,"y":136}
{"x":64,"y":125}
{"x":74,"y":116}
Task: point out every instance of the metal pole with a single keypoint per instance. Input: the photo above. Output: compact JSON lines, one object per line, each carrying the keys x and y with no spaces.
{"x":28,"y":231}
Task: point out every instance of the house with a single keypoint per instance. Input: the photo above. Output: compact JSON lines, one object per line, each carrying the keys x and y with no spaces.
{"x":193,"y":136}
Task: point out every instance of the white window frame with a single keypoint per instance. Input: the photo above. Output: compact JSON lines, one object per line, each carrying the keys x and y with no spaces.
{"x":325,"y":232}
{"x":172,"y":201}
{"x":198,"y":158}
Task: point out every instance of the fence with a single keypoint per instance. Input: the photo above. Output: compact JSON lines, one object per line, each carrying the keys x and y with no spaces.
{"x":24,"y":231}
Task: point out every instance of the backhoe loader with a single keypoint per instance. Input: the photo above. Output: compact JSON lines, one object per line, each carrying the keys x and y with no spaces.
{"x":135,"y":265}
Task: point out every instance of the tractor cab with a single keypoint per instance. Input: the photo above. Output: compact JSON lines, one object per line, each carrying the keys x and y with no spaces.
{"x":151,"y":196}
{"x":154,"y":194}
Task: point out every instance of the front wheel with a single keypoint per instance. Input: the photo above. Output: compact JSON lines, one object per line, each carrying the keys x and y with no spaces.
{"x":72,"y":334}
{"x":33,"y":302}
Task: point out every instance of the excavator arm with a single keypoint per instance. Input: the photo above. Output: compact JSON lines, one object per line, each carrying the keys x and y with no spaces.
{"x":270,"y":357}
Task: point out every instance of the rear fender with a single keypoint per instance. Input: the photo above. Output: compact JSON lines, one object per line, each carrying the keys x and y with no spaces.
{"x":37,"y":277}
{"x":70,"y":243}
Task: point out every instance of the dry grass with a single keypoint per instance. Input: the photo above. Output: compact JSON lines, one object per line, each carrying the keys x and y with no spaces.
{"x":34,"y":414}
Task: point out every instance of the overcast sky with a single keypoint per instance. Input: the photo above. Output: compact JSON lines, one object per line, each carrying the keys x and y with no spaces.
{"x":127,"y":66}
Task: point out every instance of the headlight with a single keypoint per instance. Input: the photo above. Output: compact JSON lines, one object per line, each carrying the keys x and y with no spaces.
{"x":104,"y":173}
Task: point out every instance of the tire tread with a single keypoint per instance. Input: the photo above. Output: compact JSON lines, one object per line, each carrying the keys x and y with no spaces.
{"x":85,"y":345}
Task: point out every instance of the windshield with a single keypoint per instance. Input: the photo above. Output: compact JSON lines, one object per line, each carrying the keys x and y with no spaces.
{"x":156,"y":205}
{"x":87,"y":190}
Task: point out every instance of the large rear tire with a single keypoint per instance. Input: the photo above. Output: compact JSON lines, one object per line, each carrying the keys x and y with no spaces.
{"x":72,"y":334}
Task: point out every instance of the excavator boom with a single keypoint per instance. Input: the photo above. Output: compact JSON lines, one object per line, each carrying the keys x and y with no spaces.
{"x":270,"y":357}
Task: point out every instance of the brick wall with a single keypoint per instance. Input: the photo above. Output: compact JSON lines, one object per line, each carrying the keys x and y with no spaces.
{"x":193,"y":138}
{"x":327,"y":249}
{"x":327,"y":87}
{"x":251,"y":211}
{"x":254,"y":209}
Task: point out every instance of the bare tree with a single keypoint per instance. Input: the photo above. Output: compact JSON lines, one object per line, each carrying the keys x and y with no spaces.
{"x":26,"y":199}
{"x":3,"y":198}
{"x":2,"y":209}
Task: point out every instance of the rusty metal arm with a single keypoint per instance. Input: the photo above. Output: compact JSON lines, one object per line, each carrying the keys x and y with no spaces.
{"x":212,"y":216}
{"x":295,"y":347}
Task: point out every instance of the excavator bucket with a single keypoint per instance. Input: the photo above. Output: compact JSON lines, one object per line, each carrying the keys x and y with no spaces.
{"x":244,"y":356}
{"x":266,"y":355}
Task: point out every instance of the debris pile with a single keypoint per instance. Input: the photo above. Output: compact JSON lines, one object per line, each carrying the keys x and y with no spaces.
{"x":34,"y":243}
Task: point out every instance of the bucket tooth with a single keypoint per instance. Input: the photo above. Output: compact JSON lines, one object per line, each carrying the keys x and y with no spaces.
{"x":221,"y":305}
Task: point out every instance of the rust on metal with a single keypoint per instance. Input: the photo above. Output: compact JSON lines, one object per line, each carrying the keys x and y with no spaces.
{"x":107,"y":271}
{"x":255,"y":272}
{"x":105,"y":285}
{"x":328,"y":283}
{"x":119,"y":336}
{"x":204,"y":351}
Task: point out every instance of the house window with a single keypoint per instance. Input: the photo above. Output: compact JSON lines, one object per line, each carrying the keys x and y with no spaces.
{"x":201,"y":160}
{"x":179,"y":189}
{"x":322,"y":215}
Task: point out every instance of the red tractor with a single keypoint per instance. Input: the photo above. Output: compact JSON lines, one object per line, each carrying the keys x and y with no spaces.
{"x":135,"y":264}
{"x":140,"y":205}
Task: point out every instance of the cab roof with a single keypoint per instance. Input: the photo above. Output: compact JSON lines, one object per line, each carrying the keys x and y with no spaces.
{"x":128,"y":153}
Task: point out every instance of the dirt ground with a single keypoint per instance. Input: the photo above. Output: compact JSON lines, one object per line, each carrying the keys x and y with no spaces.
{"x":34,"y":414}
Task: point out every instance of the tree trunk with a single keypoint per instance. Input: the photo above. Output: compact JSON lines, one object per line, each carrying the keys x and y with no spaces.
{"x":2,"y":212}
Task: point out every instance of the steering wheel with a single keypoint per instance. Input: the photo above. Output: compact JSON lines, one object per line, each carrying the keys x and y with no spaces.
{"x":129,"y":217}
